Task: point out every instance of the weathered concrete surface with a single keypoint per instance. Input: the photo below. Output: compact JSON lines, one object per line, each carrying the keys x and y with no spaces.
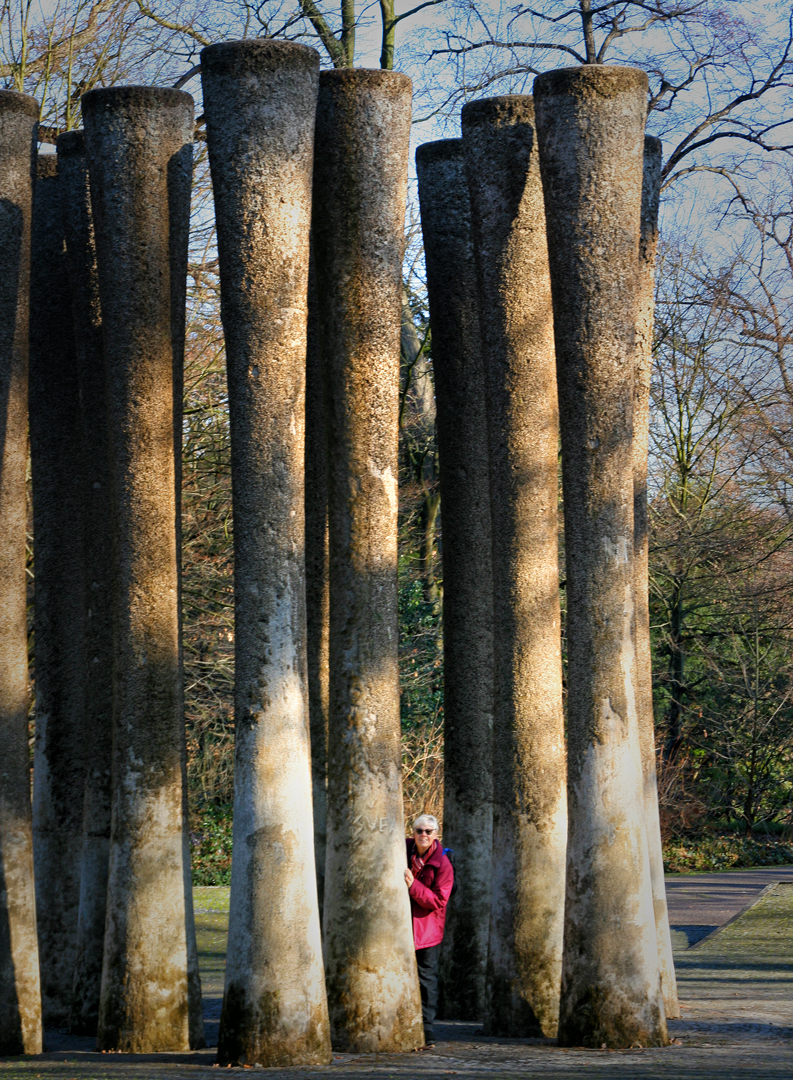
{"x":590,"y":123}
{"x":20,"y":997}
{"x":260,"y":105}
{"x":648,"y":250}
{"x":360,"y":183}
{"x":98,"y":673}
{"x":529,"y":769}
{"x":57,"y":457}
{"x":461,"y":424}
{"x":317,"y":581}
{"x":139,"y":143}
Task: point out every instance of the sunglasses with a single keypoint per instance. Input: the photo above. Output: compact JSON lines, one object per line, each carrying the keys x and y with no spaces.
{"x":418,"y":832}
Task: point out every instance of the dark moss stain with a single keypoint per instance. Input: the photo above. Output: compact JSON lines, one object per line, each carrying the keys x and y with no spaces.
{"x":596,"y":1017}
{"x":256,"y":1033}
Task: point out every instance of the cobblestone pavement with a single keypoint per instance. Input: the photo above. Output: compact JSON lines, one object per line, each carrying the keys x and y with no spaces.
{"x":736,"y":988}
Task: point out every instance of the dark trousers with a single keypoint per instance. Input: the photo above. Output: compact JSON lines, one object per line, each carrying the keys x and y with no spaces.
{"x":427,"y":960}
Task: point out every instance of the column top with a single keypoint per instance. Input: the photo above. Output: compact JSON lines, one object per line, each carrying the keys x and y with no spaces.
{"x":138,"y":96}
{"x":504,"y":109}
{"x":605,"y":80}
{"x":12,"y":101}
{"x":440,"y":150}
{"x":255,"y":53}
{"x":366,"y":77}
{"x":71,"y":142}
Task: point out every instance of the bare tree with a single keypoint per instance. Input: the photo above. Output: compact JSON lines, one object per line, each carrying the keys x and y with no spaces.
{"x":718,"y":79}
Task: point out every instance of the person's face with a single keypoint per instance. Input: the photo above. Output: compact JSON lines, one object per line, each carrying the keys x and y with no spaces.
{"x":424,"y":837}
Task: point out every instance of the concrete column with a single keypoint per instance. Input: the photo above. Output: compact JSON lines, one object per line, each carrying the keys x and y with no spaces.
{"x":98,"y":674}
{"x":139,"y":143}
{"x":529,"y":799}
{"x":648,"y":250}
{"x":58,"y":474}
{"x":20,"y":995}
{"x":590,"y":122}
{"x":461,"y":422}
{"x":317,"y":581}
{"x":260,"y":105}
{"x":360,"y":182}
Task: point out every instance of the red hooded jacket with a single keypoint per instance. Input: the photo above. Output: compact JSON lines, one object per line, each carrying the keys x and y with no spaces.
{"x":429,"y":895}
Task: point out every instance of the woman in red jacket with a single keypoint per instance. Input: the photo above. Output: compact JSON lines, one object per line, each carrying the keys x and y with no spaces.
{"x":429,"y":878}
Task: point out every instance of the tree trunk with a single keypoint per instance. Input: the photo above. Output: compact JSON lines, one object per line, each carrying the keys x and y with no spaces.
{"x":20,"y":992}
{"x":529,"y":798}
{"x":467,"y":570}
{"x":139,"y":142}
{"x":648,"y":248}
{"x":58,"y":478}
{"x":260,"y":103}
{"x":590,"y":123}
{"x":98,"y":672}
{"x":360,"y":182}
{"x":417,"y":422}
{"x":677,"y":669}
{"x":430,"y":508}
{"x":317,"y":581}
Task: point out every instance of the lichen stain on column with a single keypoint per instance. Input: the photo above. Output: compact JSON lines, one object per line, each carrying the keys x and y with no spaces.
{"x":529,"y":796}
{"x":139,"y":143}
{"x":590,"y":122}
{"x":457,"y":359}
{"x":360,"y":186}
{"x":260,"y":104}
{"x":20,"y":992}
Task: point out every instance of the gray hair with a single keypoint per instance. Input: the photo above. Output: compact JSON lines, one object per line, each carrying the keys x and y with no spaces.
{"x":425,"y":820}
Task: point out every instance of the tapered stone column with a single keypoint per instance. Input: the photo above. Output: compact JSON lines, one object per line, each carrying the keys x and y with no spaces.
{"x":260,"y":105}
{"x":529,"y":799}
{"x":317,"y":581}
{"x":98,"y":515}
{"x":590,"y":123}
{"x":20,"y":994}
{"x":467,"y":572}
{"x":58,"y":474}
{"x":648,"y":250}
{"x":139,"y":143}
{"x":360,"y":182}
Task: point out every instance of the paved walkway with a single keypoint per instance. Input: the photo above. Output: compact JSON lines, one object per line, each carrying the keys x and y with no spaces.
{"x":698,"y":903}
{"x":736,"y":988}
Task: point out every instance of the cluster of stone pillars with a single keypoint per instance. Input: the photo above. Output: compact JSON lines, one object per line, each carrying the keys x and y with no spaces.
{"x":106,"y":842}
{"x":540,"y":235}
{"x":537,"y":280}
{"x":94,"y":242}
